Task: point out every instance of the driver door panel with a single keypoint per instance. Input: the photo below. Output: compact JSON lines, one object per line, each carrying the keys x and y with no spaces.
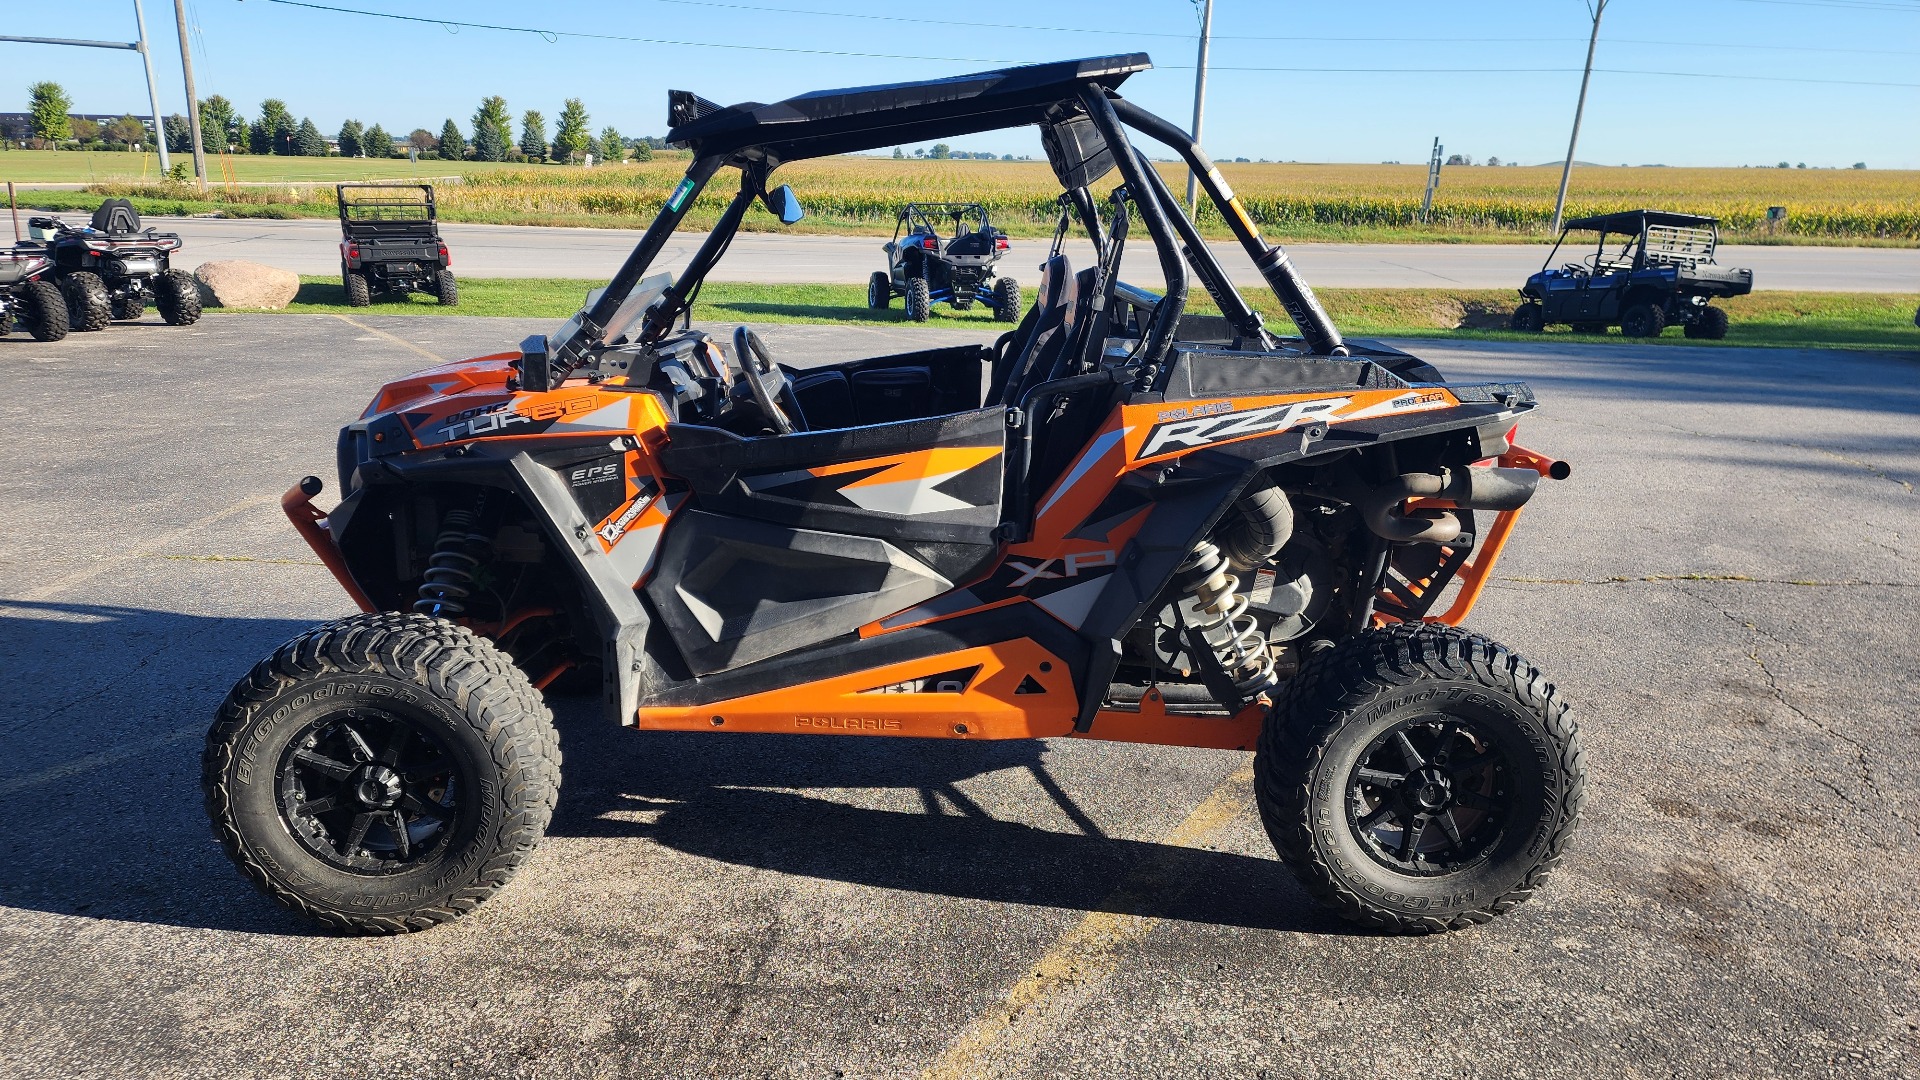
{"x":794,"y":539}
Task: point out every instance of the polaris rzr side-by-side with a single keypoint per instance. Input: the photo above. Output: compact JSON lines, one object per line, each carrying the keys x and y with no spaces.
{"x":925,"y":268}
{"x":1118,"y":522}
{"x":113,"y":268}
{"x":28,"y":298}
{"x":1657,"y":271}
{"x":390,"y":244}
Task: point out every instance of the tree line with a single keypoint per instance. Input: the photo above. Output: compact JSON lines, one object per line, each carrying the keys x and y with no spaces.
{"x":223,"y":129}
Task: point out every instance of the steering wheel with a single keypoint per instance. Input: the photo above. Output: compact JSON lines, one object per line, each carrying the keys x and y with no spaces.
{"x":764,"y":378}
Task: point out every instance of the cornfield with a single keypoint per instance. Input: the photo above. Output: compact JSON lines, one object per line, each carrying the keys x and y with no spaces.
{"x":861,"y":194}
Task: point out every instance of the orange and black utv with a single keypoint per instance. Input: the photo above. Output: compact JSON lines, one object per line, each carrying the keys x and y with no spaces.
{"x":1120,"y":522}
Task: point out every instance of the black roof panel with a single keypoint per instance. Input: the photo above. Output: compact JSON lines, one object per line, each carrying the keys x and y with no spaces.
{"x":868,"y":117}
{"x":1630,"y":220}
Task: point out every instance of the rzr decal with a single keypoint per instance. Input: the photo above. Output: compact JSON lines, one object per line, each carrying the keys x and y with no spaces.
{"x":1172,"y":435}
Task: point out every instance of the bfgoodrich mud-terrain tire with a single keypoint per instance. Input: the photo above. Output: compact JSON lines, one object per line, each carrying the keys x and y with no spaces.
{"x":44,"y":311}
{"x":447,"y":289}
{"x":1006,"y":300}
{"x":879,"y":290}
{"x":1528,"y":319}
{"x":358,"y":294}
{"x":919,"y":300}
{"x":177,"y":296}
{"x":1419,"y":778}
{"x":87,"y":306}
{"x":1643,"y":320}
{"x":381,"y":773}
{"x":1709,"y":324}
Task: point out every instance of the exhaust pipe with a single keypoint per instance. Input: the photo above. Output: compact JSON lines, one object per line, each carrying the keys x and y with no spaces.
{"x":1467,"y":488}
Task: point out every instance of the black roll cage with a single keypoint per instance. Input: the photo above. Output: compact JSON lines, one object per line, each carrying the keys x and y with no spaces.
{"x":1064,"y":99}
{"x":919,"y":213}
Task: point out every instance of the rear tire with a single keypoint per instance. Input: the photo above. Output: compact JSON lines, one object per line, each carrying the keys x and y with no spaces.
{"x":177,"y":296}
{"x":447,"y":289}
{"x":45,"y":311}
{"x":1643,"y":321}
{"x":1709,"y":323}
{"x":129,"y":308}
{"x":6,"y":321}
{"x":879,"y":290}
{"x":1529,"y":318}
{"x":381,"y":773}
{"x":87,"y":306}
{"x":1006,"y":300}
{"x":358,"y":294}
{"x":919,"y":300}
{"x":1495,"y":761}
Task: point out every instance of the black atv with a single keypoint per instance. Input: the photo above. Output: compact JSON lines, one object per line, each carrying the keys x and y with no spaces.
{"x":1659,"y":272}
{"x":27,"y":297}
{"x":113,"y":268}
{"x":389,"y":243}
{"x":927,"y":269}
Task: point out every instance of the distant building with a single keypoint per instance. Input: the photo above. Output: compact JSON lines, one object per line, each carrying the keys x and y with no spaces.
{"x":16,"y":126}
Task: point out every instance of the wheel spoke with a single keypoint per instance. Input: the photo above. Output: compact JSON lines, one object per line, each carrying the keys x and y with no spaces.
{"x":357,"y":834}
{"x":361,"y":750}
{"x":1410,"y":838}
{"x":1378,"y":778}
{"x":321,"y":763}
{"x":1452,"y":828}
{"x":318,"y":806}
{"x":391,"y":755}
{"x":398,"y":823}
{"x":426,"y":807}
{"x":1414,"y":760}
{"x":1379,"y":813}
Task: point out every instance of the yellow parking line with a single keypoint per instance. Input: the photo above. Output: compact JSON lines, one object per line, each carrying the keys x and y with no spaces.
{"x":88,"y":762}
{"x":1084,"y":955}
{"x":396,"y":339}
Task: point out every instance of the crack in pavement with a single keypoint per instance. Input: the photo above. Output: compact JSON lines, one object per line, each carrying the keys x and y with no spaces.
{"x":1736,"y":578}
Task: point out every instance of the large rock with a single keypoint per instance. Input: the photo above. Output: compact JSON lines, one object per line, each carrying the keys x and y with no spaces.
{"x":237,"y":283}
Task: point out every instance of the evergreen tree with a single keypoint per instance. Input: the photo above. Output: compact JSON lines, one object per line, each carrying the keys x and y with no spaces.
{"x":376,"y":143}
{"x":216,"y":124}
{"x":47,"y":112}
{"x":612,"y":147}
{"x":273,"y":132}
{"x":241,"y":135}
{"x":349,"y":138}
{"x":533,"y":135}
{"x":179,"y":134}
{"x":307,"y":140}
{"x":571,"y":136}
{"x":453,"y":147}
{"x":492,"y":136}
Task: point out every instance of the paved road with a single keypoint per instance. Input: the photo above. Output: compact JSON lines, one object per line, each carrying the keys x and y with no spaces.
{"x":1726,"y":589}
{"x":311,"y":247}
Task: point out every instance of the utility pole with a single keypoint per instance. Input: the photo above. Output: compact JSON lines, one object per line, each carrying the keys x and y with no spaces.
{"x":193,"y":102}
{"x":153,"y":92}
{"x":1199,"y":97}
{"x":1598,"y":9}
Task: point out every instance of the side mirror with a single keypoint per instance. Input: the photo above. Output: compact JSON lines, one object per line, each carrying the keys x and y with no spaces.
{"x":782,"y":203}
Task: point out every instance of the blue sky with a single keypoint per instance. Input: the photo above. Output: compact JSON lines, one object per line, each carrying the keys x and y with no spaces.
{"x":1349,"y":89}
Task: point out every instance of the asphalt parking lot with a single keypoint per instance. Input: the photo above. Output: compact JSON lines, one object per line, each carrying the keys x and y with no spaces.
{"x":1726,"y":589}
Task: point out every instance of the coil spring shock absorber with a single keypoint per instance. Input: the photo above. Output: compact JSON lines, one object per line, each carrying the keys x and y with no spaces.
{"x":1221,"y":620}
{"x":457,"y":552}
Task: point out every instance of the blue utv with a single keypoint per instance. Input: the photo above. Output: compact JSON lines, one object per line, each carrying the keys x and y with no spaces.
{"x":1649,"y":270}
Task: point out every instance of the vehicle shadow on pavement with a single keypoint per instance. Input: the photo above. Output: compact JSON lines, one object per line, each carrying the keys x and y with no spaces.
{"x":730,"y":798}
{"x":102,"y":714}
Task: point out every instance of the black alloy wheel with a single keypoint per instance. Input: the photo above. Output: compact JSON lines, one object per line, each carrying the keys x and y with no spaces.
{"x":1429,"y":796}
{"x":368,"y":791}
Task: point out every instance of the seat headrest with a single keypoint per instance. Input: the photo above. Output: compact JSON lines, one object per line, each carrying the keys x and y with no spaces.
{"x":116,"y":217}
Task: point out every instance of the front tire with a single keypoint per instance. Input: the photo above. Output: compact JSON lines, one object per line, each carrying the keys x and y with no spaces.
{"x":1419,"y":778}
{"x":358,"y":294}
{"x":177,"y":296}
{"x":45,"y":311}
{"x":381,"y":773}
{"x":88,"y":308}
{"x":447,"y":289}
{"x":919,"y":300}
{"x":1528,"y":318}
{"x":879,"y":290}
